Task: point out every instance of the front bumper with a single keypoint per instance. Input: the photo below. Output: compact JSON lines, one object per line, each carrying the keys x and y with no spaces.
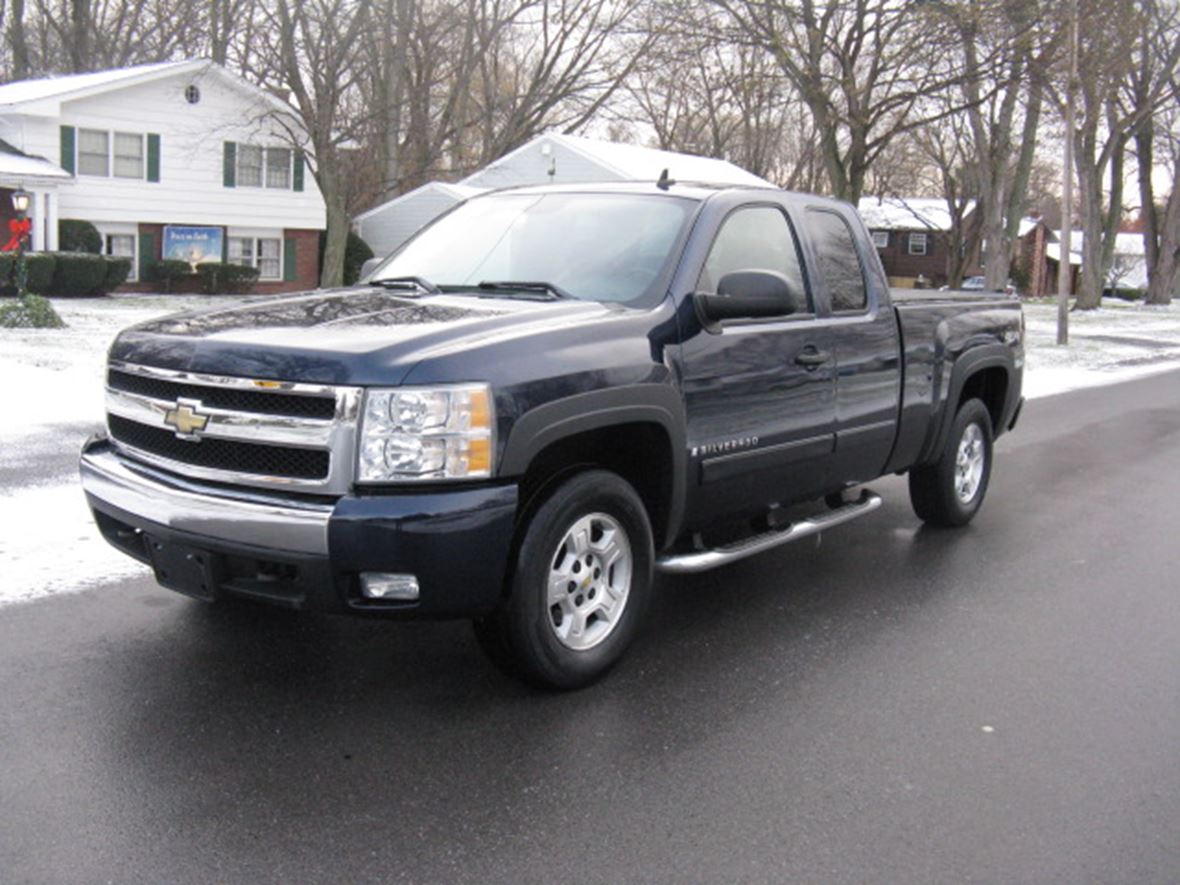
{"x":207,"y":541}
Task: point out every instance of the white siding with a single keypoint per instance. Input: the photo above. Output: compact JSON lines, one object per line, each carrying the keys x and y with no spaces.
{"x":530,"y":166}
{"x":191,"y":189}
{"x":388,"y":226}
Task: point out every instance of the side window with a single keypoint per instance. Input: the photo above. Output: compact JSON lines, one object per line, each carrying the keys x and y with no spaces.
{"x":836,"y":251}
{"x":755,"y":238}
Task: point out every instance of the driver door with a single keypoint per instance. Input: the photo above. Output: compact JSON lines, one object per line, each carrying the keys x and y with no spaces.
{"x":759,"y":393}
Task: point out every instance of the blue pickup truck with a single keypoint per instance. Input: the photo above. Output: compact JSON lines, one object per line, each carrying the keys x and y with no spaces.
{"x":543,"y":398}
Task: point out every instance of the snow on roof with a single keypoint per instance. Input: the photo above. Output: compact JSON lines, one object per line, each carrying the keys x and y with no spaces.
{"x":458,"y":191}
{"x":906,"y":213}
{"x":1053,"y":253}
{"x":631,"y":162}
{"x":1127,"y":244}
{"x":17,"y":164}
{"x":24,"y":91}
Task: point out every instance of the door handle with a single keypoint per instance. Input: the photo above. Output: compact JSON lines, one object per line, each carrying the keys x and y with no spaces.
{"x":812,"y":359}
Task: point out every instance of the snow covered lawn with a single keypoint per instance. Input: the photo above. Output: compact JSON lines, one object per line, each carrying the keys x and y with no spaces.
{"x":1119,"y":341}
{"x":51,"y":399}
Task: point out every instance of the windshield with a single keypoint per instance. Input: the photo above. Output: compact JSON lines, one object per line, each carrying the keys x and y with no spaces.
{"x":598,"y":247}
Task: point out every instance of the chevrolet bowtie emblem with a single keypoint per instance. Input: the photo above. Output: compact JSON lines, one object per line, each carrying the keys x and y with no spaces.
{"x":186,"y":419}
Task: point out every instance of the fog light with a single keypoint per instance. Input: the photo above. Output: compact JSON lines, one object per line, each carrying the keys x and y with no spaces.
{"x":383,"y":585}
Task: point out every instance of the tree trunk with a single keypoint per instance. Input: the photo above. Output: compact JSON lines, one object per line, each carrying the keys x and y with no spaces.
{"x":1145,"y":150}
{"x":17,"y":43}
{"x":1165,"y":275}
{"x":1089,"y":176}
{"x":336,"y":236}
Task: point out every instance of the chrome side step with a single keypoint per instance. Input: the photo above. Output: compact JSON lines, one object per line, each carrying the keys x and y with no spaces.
{"x":703,"y":560}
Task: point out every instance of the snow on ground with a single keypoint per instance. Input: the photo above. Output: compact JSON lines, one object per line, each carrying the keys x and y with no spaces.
{"x":51,"y":400}
{"x":1120,"y":341}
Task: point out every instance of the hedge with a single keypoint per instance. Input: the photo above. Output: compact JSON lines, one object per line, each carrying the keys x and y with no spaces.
{"x":168,"y":271}
{"x":78,"y":236}
{"x":41,"y":266}
{"x":118,"y":270}
{"x":78,"y":274}
{"x":218,"y":278}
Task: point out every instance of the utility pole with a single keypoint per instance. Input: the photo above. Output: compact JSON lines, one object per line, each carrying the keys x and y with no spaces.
{"x":1064,"y":266}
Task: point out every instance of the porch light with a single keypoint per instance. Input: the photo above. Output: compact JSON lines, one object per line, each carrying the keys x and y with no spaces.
{"x":20,"y":201}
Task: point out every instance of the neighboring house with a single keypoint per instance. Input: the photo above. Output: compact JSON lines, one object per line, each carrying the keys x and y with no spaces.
{"x":912,"y":236}
{"x":180,"y":159}
{"x":550,"y":158}
{"x":387,"y":226}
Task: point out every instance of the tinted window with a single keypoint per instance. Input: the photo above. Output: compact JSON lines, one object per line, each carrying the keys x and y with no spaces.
{"x":836,"y":251}
{"x":755,"y":238}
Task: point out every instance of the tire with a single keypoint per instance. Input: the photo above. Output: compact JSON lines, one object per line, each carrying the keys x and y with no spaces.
{"x":950,"y":491}
{"x":580,"y":586}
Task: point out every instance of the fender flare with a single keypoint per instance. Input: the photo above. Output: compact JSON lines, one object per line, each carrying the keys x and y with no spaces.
{"x":658,"y":404}
{"x":972,"y":361}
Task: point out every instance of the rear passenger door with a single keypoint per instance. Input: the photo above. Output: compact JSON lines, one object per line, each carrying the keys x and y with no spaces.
{"x":867,"y":348}
{"x":759,"y":393}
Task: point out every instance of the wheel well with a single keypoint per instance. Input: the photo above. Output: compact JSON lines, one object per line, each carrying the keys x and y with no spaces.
{"x":990,"y":386}
{"x":640,"y":453}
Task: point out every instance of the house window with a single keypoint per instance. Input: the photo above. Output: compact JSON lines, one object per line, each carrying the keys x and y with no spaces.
{"x":918,"y":244}
{"x":128,"y":155}
{"x":94,"y":152}
{"x":249,"y":165}
{"x":123,"y":246}
{"x":264,"y":253}
{"x":278,"y":168}
{"x":881,"y":239}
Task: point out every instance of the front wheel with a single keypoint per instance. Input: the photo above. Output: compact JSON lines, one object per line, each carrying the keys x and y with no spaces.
{"x":950,"y":491}
{"x":580,"y":586}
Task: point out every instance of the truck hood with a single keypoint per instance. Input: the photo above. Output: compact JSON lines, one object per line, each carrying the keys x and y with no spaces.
{"x":359,"y":335}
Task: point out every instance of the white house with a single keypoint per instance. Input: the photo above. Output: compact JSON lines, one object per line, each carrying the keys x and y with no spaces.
{"x":549,"y":158}
{"x":177,"y":160}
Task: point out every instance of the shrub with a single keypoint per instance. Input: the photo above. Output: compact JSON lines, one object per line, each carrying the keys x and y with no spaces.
{"x":41,"y":268}
{"x":118,"y":270}
{"x":1130,"y":294}
{"x":218,"y":278}
{"x":30,"y":312}
{"x":7,"y":273}
{"x":78,"y":236}
{"x":168,"y":271}
{"x":78,"y":274}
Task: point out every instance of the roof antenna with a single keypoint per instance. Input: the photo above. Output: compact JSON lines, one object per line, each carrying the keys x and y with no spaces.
{"x":665,"y":182}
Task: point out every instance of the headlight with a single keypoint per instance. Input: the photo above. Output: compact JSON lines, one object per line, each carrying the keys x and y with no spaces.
{"x":410,"y":434}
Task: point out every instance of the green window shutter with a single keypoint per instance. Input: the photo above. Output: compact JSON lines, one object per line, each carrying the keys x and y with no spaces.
{"x":153,"y":157}
{"x":147,"y":254}
{"x":298,"y":177}
{"x":67,"y":149}
{"x":289,"y":260}
{"x":229,"y":164}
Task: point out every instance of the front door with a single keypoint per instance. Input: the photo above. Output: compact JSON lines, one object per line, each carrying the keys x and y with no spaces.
{"x":759,"y":393}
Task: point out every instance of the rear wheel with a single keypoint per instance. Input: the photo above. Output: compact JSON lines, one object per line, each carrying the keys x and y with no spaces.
{"x":950,"y":491}
{"x":580,"y":586}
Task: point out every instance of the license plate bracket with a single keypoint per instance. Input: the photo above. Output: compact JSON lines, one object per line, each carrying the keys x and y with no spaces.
{"x":187,"y":570}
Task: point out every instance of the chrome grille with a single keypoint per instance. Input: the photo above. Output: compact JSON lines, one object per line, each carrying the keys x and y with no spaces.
{"x":255,"y":432}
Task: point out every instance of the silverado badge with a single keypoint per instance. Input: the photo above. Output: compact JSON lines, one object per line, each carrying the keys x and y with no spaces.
{"x":186,"y":419}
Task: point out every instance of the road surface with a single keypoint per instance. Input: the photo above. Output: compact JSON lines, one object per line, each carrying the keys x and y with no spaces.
{"x":893,"y":704}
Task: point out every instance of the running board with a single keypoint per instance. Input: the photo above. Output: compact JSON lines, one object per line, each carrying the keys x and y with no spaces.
{"x":703,"y":560}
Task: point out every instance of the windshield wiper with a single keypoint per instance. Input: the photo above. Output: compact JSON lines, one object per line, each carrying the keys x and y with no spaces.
{"x":419,"y":283}
{"x":550,"y":291}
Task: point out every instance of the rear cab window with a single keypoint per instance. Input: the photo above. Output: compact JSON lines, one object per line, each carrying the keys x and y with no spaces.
{"x":839,"y":262}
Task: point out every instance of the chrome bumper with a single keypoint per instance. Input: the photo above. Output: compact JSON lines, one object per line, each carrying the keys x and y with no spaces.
{"x":285,"y":526}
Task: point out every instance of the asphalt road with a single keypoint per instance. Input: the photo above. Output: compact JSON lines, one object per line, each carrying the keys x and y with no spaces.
{"x":998,"y":704}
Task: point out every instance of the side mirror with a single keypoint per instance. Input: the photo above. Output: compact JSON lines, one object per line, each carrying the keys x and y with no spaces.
{"x":749,"y":294}
{"x":370,"y":265}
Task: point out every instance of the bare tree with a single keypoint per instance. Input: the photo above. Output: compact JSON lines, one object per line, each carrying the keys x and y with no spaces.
{"x":865,"y":69}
